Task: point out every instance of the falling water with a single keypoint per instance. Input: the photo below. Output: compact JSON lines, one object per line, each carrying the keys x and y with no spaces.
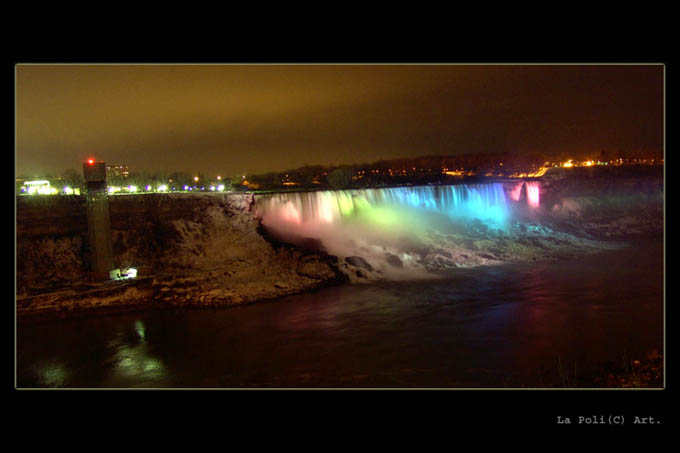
{"x":486,"y":202}
{"x":396,"y":230}
{"x":516,"y":192}
{"x":532,"y":193}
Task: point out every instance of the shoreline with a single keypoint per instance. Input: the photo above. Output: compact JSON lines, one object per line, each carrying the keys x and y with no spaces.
{"x":155,"y":292}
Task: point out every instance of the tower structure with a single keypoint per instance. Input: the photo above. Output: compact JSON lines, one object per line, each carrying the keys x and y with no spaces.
{"x":98,"y":221}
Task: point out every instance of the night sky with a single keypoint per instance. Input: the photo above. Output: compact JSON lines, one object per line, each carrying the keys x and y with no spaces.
{"x":233,"y":119}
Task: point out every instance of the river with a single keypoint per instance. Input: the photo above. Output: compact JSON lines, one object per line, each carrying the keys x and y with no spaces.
{"x":512,"y":325}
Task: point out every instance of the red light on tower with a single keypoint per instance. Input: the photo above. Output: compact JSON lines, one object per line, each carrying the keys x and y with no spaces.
{"x":90,"y":161}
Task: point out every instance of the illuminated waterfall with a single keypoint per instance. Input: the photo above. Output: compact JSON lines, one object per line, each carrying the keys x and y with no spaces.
{"x":533,"y":193}
{"x":401,"y":232}
{"x":516,"y":192}
{"x":485,"y":202}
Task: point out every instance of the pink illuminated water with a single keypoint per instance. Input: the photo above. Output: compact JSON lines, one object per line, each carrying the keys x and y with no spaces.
{"x":516,"y":193}
{"x":533,"y":193}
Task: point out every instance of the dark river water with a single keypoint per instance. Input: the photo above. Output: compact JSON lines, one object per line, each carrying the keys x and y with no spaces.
{"x":505,"y":326}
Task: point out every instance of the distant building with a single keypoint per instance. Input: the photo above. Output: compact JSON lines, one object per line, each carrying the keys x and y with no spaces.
{"x":117,"y":171}
{"x":41,"y":187}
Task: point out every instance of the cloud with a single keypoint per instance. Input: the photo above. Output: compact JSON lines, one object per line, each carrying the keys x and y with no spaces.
{"x":261,"y":117}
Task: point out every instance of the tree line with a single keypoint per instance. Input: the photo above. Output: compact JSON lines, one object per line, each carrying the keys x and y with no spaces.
{"x":416,"y":170}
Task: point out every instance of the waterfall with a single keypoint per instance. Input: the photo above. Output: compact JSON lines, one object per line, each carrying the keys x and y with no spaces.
{"x":532,"y":192}
{"x":399,"y":232}
{"x":486,"y":202}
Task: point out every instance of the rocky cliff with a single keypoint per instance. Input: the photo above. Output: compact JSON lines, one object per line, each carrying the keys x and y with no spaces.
{"x":189,"y":249}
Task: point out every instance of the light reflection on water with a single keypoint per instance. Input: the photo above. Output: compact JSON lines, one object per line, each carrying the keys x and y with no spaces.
{"x":495,"y":326}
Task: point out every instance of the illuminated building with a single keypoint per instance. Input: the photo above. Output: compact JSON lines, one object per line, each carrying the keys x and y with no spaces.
{"x":40,"y":187}
{"x":118,"y":171}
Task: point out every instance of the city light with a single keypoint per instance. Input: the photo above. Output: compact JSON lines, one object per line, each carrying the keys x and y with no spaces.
{"x":40,"y":187}
{"x":490,"y":168}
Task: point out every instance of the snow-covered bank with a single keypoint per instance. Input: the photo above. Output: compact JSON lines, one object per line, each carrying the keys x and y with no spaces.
{"x":202,"y":249}
{"x":605,"y":203}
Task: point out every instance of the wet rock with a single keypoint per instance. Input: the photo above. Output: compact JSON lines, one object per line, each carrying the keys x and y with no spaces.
{"x":359,"y":262}
{"x":312,"y":244}
{"x":393,"y":260}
